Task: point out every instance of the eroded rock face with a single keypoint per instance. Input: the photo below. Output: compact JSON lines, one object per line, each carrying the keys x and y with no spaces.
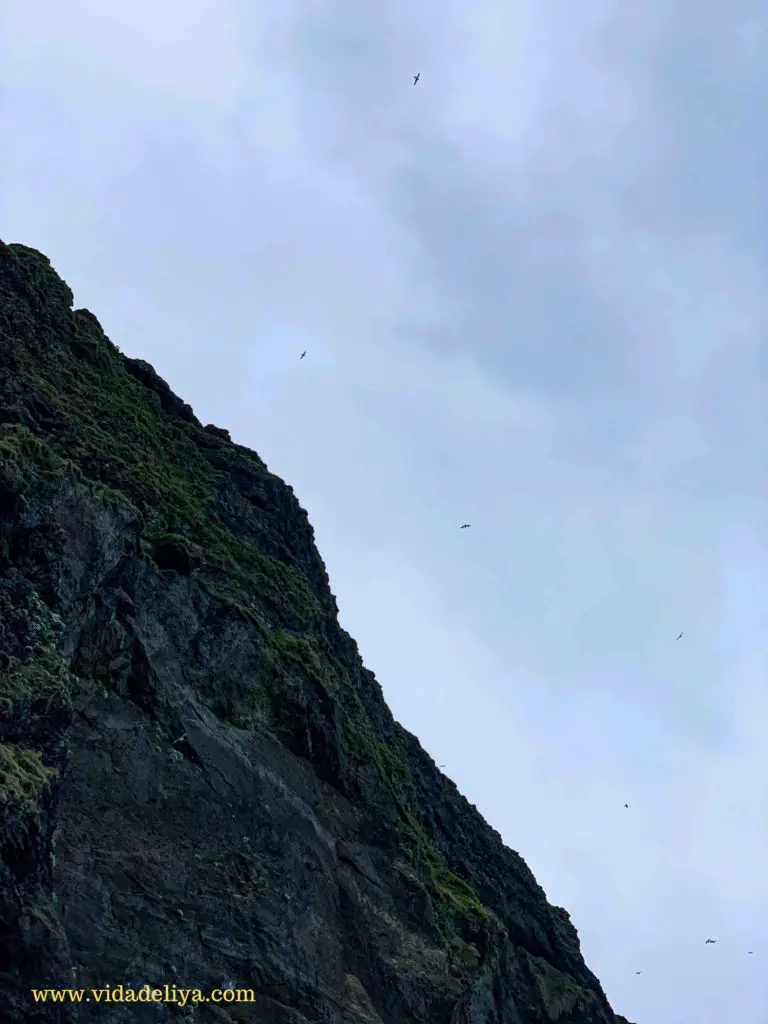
{"x":200,"y":783}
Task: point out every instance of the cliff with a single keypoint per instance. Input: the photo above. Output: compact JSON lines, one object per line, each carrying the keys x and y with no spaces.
{"x":200,"y":783}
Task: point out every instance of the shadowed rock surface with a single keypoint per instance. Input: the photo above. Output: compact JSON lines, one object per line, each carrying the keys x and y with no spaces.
{"x":200,"y":783}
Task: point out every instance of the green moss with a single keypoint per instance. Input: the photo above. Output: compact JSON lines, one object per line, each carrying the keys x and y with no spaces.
{"x":42,"y":681}
{"x":383,"y":773}
{"x":111,"y":427}
{"x":223,"y":597}
{"x":303,"y":654}
{"x":456,"y":899}
{"x":394,"y":765}
{"x":39,"y":680}
{"x":23,"y":777}
{"x":23,"y":456}
{"x":460,"y":897}
{"x":457,"y":904}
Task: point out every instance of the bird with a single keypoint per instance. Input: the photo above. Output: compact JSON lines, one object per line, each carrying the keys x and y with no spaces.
{"x":465,"y":526}
{"x":638,"y":972}
{"x":416,"y":77}
{"x":303,"y":354}
{"x":750,"y":952}
{"x":677,"y":638}
{"x":712,"y":941}
{"x":626,"y":805}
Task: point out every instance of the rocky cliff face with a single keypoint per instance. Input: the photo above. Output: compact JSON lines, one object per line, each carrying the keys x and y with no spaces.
{"x":200,"y":783}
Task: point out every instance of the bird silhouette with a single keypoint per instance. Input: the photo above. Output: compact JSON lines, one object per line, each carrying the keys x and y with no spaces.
{"x":465,"y":526}
{"x":303,"y":354}
{"x":416,"y":78}
{"x":710,"y":941}
{"x":638,"y":972}
{"x":677,"y":638}
{"x":626,"y":805}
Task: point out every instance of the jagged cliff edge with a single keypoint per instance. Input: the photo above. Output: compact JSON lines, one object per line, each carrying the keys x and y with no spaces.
{"x":200,"y":783}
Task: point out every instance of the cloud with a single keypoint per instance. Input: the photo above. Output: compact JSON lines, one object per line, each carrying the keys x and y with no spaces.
{"x":187,"y":51}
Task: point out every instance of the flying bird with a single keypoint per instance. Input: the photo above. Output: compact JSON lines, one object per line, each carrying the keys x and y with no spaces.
{"x":416,"y":78}
{"x":626,"y":805}
{"x":712,"y":941}
{"x":677,"y":638}
{"x":638,"y":972}
{"x":303,"y":354}
{"x":465,"y":526}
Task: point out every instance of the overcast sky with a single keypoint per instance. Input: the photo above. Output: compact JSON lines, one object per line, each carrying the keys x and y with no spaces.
{"x":532,"y":291}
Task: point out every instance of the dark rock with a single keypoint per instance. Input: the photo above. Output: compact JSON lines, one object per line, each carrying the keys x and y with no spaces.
{"x":175,"y":554}
{"x":200,"y":784}
{"x":146,"y":374}
{"x":217,"y":431}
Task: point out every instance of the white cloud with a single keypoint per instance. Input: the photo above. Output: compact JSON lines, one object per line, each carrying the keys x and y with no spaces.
{"x":187,"y":51}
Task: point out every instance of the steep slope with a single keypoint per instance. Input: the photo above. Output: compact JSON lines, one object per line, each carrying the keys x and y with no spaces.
{"x":200,"y":783}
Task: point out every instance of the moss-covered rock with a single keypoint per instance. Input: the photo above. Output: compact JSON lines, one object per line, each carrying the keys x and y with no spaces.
{"x":231,"y":795}
{"x":23,"y":778}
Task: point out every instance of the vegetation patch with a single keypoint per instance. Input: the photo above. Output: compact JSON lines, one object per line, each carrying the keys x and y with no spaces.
{"x":23,"y":777}
{"x":303,"y":654}
{"x":33,"y":679}
{"x":116,"y":431}
{"x":459,"y":910}
{"x":23,"y":456}
{"x":33,"y":688}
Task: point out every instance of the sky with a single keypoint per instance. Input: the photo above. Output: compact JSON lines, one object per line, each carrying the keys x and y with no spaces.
{"x":531,"y":289}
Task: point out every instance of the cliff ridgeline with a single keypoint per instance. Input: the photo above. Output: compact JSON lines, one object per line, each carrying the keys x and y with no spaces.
{"x":201,"y":786}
